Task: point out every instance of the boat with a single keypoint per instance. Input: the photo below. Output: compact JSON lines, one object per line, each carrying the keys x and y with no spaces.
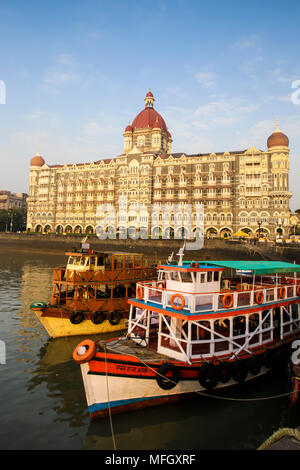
{"x":90,"y":293}
{"x":199,"y":327}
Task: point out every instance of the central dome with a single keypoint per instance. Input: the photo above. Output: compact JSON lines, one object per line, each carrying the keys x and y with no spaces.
{"x":149,"y":118}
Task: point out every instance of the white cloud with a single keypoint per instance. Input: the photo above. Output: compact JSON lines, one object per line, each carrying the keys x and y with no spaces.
{"x":206,"y":79}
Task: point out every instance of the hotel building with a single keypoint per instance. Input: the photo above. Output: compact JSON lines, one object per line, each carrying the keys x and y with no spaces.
{"x":239,"y":190}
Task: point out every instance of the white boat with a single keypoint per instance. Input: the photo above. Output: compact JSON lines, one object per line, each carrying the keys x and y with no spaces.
{"x":198,"y":327}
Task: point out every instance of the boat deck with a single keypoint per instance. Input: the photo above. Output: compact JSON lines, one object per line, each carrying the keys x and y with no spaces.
{"x":131,"y":348}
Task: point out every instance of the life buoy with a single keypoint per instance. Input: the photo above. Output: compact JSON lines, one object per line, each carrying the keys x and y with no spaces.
{"x":114,"y":318}
{"x":239,"y":371}
{"x":167,"y":376}
{"x":173,"y":305}
{"x":76,"y":318}
{"x":139,"y":293}
{"x":84,"y":351}
{"x":259,"y":298}
{"x":298,"y":291}
{"x":224,"y":372}
{"x":225,"y":302}
{"x":98,"y":318}
{"x":282,"y":292}
{"x":38,"y":306}
{"x":208,"y":376}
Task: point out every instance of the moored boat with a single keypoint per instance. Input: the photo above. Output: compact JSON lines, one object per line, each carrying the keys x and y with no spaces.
{"x":90,"y":293}
{"x":200,"y":326}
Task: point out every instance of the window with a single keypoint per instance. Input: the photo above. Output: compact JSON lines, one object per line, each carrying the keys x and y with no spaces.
{"x":209,"y":276}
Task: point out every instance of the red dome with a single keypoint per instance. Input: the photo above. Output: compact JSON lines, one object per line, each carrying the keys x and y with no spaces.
{"x":129,"y":128}
{"x":149,"y":94}
{"x":149,"y":118}
{"x":37,"y":161}
{"x":278,"y":139}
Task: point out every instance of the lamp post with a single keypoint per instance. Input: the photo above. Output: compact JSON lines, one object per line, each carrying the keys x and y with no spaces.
{"x":259,"y":223}
{"x":279,"y":224}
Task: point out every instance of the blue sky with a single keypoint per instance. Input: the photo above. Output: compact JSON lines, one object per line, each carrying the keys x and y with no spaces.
{"x":77,"y":72}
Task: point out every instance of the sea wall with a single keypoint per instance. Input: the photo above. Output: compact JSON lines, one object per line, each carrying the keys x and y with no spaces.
{"x":160,"y":249}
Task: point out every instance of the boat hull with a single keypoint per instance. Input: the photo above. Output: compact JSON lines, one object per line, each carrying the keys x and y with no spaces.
{"x":116,"y":386}
{"x":58,"y":327}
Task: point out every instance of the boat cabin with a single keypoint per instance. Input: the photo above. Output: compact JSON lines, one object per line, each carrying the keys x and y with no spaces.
{"x":99,"y":261}
{"x":210,"y":309}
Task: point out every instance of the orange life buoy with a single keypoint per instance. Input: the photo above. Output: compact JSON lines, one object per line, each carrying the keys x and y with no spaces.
{"x":84,"y":351}
{"x":225,"y":302}
{"x":298,"y":291}
{"x":259,"y":297}
{"x":177,"y":307}
{"x":282,"y":292}
{"x":139,"y":293}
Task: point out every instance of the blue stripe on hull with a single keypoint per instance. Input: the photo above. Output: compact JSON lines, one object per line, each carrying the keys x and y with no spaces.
{"x":104,"y":406}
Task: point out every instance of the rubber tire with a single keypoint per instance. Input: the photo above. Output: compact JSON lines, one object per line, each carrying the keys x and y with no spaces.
{"x":270,"y":358}
{"x":114,"y":318}
{"x":240,"y":371}
{"x":254,"y":365}
{"x":224,"y":378}
{"x":208,"y":376}
{"x":167,"y":383}
{"x":98,"y":318}
{"x":76,"y":318}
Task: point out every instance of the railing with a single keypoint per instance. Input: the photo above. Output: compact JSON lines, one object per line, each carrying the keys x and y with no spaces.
{"x":156,"y":293}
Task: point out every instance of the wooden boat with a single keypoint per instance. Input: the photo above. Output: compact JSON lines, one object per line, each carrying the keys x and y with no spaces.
{"x":197,"y":328}
{"x":90,"y":293}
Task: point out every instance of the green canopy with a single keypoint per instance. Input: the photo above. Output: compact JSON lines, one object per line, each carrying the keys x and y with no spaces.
{"x":258,"y":267}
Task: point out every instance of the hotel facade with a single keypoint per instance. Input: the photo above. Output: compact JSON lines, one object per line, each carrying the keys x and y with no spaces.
{"x":148,"y":188}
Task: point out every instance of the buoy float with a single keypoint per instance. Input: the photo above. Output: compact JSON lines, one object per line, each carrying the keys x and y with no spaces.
{"x":225,"y":302}
{"x":182,"y":302}
{"x":38,"y":306}
{"x":84,"y":351}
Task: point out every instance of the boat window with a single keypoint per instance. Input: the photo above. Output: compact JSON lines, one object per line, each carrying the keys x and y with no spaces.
{"x":100,"y":261}
{"x":186,"y":276}
{"x":71,"y":260}
{"x":209,"y":276}
{"x":77,"y":261}
{"x":82,"y":262}
{"x":239,"y":326}
{"x":175,"y":276}
{"x":92,"y":260}
{"x":202,"y":277}
{"x":253,"y":322}
{"x":216,"y":275}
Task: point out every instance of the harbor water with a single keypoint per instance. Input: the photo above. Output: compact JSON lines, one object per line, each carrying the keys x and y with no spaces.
{"x":42,"y":400}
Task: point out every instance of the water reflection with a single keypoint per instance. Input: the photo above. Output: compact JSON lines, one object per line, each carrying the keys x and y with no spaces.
{"x":42,"y":399}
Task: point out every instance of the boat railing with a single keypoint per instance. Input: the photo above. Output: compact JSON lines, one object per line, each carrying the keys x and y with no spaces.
{"x":155,"y":292}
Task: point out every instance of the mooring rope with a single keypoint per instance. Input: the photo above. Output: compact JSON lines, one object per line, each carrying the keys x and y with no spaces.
{"x":108,"y":402}
{"x":210,"y":395}
{"x":276,"y":436}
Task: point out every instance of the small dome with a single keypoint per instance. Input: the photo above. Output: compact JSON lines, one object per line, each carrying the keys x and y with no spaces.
{"x":149,"y":94}
{"x":37,"y":160}
{"x":129,"y":128}
{"x":278,"y":139}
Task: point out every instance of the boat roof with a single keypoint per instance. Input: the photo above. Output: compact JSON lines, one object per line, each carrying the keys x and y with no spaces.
{"x":258,"y":267}
{"x":100,"y":253}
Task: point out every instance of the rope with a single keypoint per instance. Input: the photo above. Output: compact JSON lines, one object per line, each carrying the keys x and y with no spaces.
{"x":108,"y":402}
{"x":210,"y":395}
{"x":276,"y":436}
